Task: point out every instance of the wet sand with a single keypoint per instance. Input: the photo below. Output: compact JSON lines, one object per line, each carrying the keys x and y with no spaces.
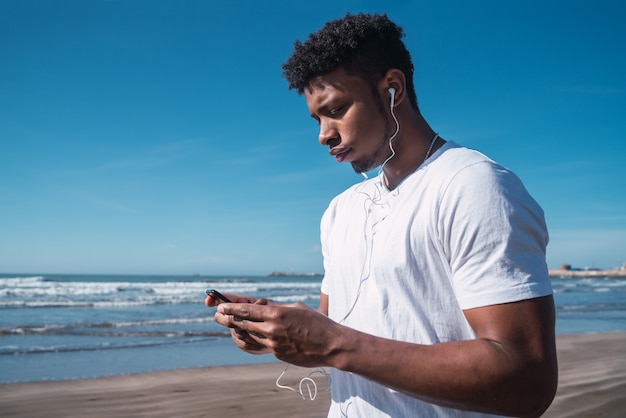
{"x":592,"y":383}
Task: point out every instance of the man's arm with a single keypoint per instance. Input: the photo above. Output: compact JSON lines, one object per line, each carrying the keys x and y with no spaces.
{"x":323,"y":305}
{"x":509,"y":369}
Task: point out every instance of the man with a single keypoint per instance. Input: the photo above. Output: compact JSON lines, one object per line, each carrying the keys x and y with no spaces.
{"x":436,"y":299}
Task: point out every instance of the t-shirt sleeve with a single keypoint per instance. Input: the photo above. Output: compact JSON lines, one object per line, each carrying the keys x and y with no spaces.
{"x":494,"y":237}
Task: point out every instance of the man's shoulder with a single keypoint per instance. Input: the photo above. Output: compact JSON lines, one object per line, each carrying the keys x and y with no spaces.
{"x":459,"y":156}
{"x":461,"y":164}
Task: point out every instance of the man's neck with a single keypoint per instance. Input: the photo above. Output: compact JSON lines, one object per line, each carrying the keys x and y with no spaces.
{"x":416,"y":142}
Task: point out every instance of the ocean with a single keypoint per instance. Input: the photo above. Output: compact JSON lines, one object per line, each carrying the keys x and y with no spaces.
{"x":57,"y":327}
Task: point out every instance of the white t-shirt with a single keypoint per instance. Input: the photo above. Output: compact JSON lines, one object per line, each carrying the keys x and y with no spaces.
{"x":458,"y":233}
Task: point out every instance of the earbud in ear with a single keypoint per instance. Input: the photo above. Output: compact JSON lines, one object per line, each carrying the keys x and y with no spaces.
{"x":392,"y":91}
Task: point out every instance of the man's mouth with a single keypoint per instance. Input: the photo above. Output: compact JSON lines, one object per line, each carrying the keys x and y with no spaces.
{"x":340,"y":154}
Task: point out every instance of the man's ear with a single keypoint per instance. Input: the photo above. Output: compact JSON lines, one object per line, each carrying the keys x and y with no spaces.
{"x":393,"y":84}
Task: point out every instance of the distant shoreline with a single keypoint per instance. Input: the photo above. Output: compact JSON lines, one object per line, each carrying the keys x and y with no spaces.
{"x":554,"y":273}
{"x":564,"y":273}
{"x":285,"y":274}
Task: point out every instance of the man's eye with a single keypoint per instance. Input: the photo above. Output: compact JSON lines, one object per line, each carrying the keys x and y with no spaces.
{"x":336,"y":111}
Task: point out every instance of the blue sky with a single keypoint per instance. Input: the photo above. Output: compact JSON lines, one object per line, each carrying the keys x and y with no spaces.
{"x":159,"y":137}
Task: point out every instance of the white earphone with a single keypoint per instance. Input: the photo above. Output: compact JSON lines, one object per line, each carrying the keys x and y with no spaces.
{"x":392,"y":91}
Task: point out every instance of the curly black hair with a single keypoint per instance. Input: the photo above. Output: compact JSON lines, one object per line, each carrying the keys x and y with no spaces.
{"x":367,"y":45}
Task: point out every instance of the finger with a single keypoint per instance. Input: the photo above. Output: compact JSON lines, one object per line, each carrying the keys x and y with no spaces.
{"x":264,"y":301}
{"x":211,"y":301}
{"x":251,"y":312}
{"x":232,"y":321}
{"x":244,"y":341}
{"x":240,"y":298}
{"x":225,"y":320}
{"x":253,"y":331}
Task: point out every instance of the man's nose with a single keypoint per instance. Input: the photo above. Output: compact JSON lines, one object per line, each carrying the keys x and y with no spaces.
{"x":328,"y":133}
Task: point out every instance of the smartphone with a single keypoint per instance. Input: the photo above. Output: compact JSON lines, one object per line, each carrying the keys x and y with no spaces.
{"x":218,"y":295}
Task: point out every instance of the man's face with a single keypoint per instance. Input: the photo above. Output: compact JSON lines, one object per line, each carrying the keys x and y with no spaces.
{"x":351,"y":118}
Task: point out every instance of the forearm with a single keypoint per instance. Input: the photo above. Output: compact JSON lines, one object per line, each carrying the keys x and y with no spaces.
{"x":478,"y":375}
{"x":509,"y":369}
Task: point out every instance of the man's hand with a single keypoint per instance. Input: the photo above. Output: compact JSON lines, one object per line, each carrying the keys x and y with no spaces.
{"x":241,"y":338}
{"x":294,"y":333}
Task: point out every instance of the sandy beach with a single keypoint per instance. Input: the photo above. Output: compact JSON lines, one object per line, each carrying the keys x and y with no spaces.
{"x":592,"y":383}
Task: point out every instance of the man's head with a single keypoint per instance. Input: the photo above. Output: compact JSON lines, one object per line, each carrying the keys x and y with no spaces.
{"x":363,"y":44}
